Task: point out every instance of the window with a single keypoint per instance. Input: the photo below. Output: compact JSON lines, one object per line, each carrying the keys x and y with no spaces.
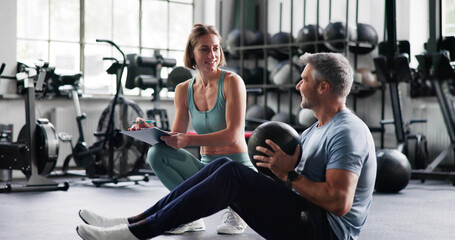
{"x":64,"y":33}
{"x":448,"y":18}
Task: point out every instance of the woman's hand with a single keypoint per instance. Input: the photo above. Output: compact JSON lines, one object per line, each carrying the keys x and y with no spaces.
{"x":140,"y":124}
{"x":176,"y":140}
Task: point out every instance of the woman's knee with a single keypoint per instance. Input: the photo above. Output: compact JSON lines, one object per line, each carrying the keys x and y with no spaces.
{"x":156,"y":155}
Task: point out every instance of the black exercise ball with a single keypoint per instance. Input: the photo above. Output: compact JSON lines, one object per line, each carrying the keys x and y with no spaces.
{"x":259,"y":37}
{"x":393,"y":171}
{"x":311,"y":33}
{"x":259,"y":40}
{"x":280,"y":133}
{"x":177,"y":76}
{"x":282,"y":117}
{"x":257,"y":76}
{"x":336,"y":31}
{"x":233,"y":41}
{"x":257,"y":114}
{"x":281,"y":53}
{"x":367,"y":39}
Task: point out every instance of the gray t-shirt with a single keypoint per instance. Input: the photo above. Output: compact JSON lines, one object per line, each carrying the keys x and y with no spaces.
{"x":345,"y":142}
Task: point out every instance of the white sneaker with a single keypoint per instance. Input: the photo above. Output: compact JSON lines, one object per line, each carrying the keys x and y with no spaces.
{"x":94,"y":219}
{"x":232,"y":223}
{"x":119,"y":232}
{"x":195,"y":226}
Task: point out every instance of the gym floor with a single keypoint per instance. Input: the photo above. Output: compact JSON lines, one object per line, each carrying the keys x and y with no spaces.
{"x":420,"y":211}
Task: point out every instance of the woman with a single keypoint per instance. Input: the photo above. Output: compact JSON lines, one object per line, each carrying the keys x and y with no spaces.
{"x":216,"y":101}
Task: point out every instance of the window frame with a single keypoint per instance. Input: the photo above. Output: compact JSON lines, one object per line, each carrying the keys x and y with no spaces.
{"x":165,"y":51}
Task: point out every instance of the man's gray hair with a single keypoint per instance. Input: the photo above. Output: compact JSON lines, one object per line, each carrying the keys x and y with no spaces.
{"x":333,"y":68}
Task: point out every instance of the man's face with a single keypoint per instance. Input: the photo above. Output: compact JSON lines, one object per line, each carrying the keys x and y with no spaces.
{"x":307,"y":88}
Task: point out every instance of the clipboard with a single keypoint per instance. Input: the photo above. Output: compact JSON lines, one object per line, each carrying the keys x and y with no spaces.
{"x":147,"y":135}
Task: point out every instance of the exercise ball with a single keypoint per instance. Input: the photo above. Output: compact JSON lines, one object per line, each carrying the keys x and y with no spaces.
{"x":366,"y":83}
{"x":393,"y":171}
{"x":257,"y":76}
{"x":311,"y":33}
{"x":176,"y":76}
{"x":282,"y":117}
{"x":367,"y":77}
{"x":336,"y":31}
{"x":306,"y":118}
{"x":280,"y":133}
{"x":257,"y":114}
{"x":233,"y":41}
{"x":281,"y":53}
{"x":281,"y":73}
{"x":259,"y":37}
{"x":367,"y":39}
{"x":260,"y":112}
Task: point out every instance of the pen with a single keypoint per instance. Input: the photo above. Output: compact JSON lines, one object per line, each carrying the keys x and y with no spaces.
{"x":147,"y":121}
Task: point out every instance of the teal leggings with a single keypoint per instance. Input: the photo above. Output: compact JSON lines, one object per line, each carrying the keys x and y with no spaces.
{"x":173,"y":166}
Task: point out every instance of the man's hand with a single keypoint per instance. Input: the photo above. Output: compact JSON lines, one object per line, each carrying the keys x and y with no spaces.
{"x":176,"y":140}
{"x":279,"y":162}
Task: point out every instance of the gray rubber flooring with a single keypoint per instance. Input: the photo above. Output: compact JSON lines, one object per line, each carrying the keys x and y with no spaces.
{"x":421,"y":211}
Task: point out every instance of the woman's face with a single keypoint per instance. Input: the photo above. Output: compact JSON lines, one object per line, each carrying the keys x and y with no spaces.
{"x":207,"y":53}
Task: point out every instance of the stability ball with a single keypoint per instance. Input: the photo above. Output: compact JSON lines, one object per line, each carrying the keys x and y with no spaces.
{"x":366,"y":83}
{"x":336,"y":31}
{"x":257,"y":76}
{"x":257,"y":114}
{"x":281,"y":73}
{"x":367,"y":39}
{"x":306,"y":118}
{"x":282,"y":117}
{"x":280,"y":133}
{"x":311,"y":33}
{"x":281,"y":53}
{"x":233,"y":40}
{"x":259,"y":39}
{"x":177,"y":76}
{"x":393,"y":171}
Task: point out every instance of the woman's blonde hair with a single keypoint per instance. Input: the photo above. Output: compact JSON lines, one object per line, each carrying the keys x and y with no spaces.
{"x":198,"y":31}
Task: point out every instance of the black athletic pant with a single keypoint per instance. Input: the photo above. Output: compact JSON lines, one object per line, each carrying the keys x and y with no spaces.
{"x":269,"y":208}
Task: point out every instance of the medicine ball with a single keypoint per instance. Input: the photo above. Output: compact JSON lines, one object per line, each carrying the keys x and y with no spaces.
{"x":233,"y":41}
{"x":282,"y":117}
{"x":259,"y":40}
{"x":259,"y":37}
{"x":307,"y":118}
{"x":260,"y":112}
{"x":311,"y":33}
{"x":367,"y":39}
{"x":281,"y":53}
{"x":366,"y":83}
{"x":256,"y":114}
{"x":336,"y":31}
{"x":281,"y":73}
{"x":257,"y":76}
{"x":393,"y":171}
{"x":176,"y":76}
{"x":280,"y":133}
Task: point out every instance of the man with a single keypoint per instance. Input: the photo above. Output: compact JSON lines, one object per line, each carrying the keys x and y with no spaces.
{"x":326,"y":196}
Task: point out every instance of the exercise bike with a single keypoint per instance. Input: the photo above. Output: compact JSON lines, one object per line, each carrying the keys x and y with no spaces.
{"x":36,"y":150}
{"x":113,"y":157}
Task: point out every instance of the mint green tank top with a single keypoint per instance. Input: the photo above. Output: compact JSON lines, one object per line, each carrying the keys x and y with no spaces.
{"x":213,"y":120}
